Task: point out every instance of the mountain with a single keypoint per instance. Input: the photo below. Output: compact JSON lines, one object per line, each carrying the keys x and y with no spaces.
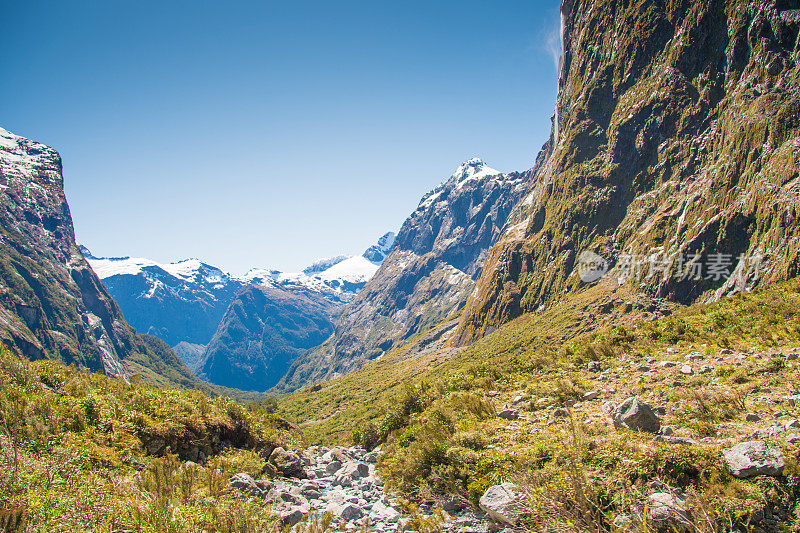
{"x":186,"y":300}
{"x":427,"y":276}
{"x":52,"y":305}
{"x":674,"y":151}
{"x":177,"y":302}
{"x":276,"y":317}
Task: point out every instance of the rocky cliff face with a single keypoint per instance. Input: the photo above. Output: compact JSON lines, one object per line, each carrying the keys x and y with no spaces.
{"x":674,"y":157}
{"x":52,"y":305}
{"x":263,"y":331}
{"x":428,"y":274}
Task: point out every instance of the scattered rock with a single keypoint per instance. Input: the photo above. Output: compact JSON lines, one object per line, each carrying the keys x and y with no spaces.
{"x":636,"y":415}
{"x":508,"y":414}
{"x":333,"y":466}
{"x":753,"y":458}
{"x":504,"y":503}
{"x":246,"y":483}
{"x":287,"y":462}
{"x":667,"y":512}
{"x":520,"y":398}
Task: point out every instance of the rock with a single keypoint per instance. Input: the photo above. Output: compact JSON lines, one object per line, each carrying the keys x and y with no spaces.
{"x":589,"y":396}
{"x":683,"y":441}
{"x":752,"y":417}
{"x":355,"y":470}
{"x":560,"y":412}
{"x":792,"y":399}
{"x":636,"y":415}
{"x":666,"y":364}
{"x":287,"y":463}
{"x":593,"y":366}
{"x":753,"y":458}
{"x":686,"y":369}
{"x":792,"y":438}
{"x":372,"y":457}
{"x":346,"y":511}
{"x":333,"y":467}
{"x":792,"y":424}
{"x":666,"y":512}
{"x":667,"y":431}
{"x":705,"y":369}
{"x":335,"y":454}
{"x":293,"y":514}
{"x":504,"y":503}
{"x":609,"y":407}
{"x":520,"y":398}
{"x":383,"y":513}
{"x":246,"y":483}
{"x":508,"y":414}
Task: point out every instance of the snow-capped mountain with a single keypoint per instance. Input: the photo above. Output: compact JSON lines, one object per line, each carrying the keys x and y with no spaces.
{"x":185,"y":301}
{"x":276,"y":317}
{"x":429,"y":273}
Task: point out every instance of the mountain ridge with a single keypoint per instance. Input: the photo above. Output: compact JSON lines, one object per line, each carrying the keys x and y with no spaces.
{"x":52,"y":305}
{"x":426,"y":277}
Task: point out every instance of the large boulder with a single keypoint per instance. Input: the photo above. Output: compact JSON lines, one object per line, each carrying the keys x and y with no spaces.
{"x":350,"y":472}
{"x":245,"y":483}
{"x":381,"y":512}
{"x":667,"y":512}
{"x":636,"y":415}
{"x":287,"y":463}
{"x":752,"y":459}
{"x":505,"y":503}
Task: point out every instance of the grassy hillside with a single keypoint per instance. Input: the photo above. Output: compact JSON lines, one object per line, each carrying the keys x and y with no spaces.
{"x":437,"y":416}
{"x":74,"y":454}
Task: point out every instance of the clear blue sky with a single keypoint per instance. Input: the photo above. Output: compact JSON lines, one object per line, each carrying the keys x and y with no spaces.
{"x":270,"y":134}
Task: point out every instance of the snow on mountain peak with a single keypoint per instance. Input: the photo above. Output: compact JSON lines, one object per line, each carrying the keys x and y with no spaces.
{"x":378,"y":251}
{"x":473,"y":169}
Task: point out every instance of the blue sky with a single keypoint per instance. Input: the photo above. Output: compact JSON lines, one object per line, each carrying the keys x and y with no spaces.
{"x":270,"y":134}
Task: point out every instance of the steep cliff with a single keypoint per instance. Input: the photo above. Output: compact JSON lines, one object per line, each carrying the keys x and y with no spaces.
{"x":52,"y":305}
{"x":263,"y":331}
{"x":674,"y":157}
{"x":428,"y":274}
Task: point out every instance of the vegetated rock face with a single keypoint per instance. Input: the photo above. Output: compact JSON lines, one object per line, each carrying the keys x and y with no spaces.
{"x":191,"y":354}
{"x":754,"y":458}
{"x":52,"y":305}
{"x":263,"y":331}
{"x":427,"y":277}
{"x":676,"y":131}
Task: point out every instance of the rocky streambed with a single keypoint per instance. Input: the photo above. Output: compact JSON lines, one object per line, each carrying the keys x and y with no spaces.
{"x":344,"y":483}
